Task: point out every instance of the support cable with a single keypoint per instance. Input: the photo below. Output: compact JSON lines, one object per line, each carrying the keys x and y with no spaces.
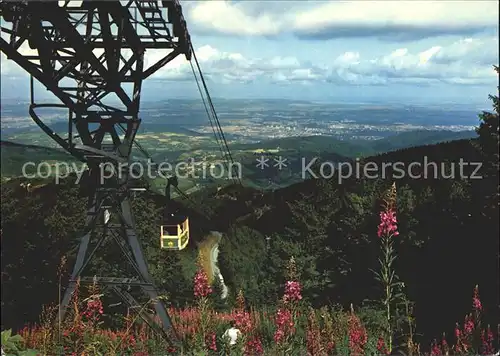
{"x":216,"y":133}
{"x":214,"y":113}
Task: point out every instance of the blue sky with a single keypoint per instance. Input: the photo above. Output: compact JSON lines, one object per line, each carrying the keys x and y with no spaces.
{"x":418,"y":51}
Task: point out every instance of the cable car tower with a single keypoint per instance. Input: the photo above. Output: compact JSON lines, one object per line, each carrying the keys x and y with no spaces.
{"x":83,"y":51}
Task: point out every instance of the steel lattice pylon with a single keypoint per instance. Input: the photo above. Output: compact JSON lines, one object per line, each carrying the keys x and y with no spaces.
{"x":83,"y":51}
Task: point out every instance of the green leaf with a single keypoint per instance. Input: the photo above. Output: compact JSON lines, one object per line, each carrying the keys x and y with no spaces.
{"x":6,"y":335}
{"x":29,"y":352}
{"x":16,"y":338}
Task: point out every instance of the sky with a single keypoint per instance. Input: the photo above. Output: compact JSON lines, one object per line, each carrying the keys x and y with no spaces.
{"x":337,"y":51}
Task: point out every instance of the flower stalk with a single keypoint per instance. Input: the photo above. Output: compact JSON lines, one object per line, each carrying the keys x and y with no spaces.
{"x":387,"y":230}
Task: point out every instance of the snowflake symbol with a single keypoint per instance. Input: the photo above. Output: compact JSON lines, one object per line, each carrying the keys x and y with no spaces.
{"x":262,"y":162}
{"x":280,"y":162}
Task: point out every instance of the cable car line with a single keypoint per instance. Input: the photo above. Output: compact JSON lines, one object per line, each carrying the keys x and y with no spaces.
{"x":214,"y":113}
{"x":216,"y":132}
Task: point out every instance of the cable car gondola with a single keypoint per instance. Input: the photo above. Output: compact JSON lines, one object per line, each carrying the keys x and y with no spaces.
{"x":174,"y":232}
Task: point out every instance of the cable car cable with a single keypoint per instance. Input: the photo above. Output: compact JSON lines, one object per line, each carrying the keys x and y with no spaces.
{"x":216,"y":133}
{"x":212,"y":107}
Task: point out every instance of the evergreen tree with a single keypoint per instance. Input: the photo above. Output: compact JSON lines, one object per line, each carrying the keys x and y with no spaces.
{"x":488,"y":134}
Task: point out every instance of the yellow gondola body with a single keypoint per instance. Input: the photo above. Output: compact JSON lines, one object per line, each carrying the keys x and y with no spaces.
{"x":174,"y":236}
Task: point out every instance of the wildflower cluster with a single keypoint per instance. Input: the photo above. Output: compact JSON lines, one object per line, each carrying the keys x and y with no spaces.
{"x":93,"y":308}
{"x":292,"y":292}
{"x":201,"y":286}
{"x":284,"y":325}
{"x":211,"y":341}
{"x":487,"y":342}
{"x":322,"y":329}
{"x":242,"y":318}
{"x":381,"y":346}
{"x":358,"y":336}
{"x":464,"y":336}
{"x":470,"y":338}
{"x":285,"y":316}
{"x":313,"y":335}
{"x":476,"y":301}
{"x":387,"y":224}
{"x":254,"y":346}
{"x":243,"y":321}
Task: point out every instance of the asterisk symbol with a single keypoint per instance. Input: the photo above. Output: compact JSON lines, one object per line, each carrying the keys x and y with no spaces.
{"x":262,"y":162}
{"x":280,"y":162}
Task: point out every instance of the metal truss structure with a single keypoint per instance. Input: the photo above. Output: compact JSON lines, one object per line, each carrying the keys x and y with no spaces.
{"x":84,"y":52}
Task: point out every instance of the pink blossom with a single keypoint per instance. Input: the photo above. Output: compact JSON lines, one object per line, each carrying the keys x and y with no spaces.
{"x":243,"y":320}
{"x":211,"y":341}
{"x":435,"y":349}
{"x":254,"y":347}
{"x":381,"y":346}
{"x":292,"y":292}
{"x":284,"y":325}
{"x":201,"y":286}
{"x":476,"y":302}
{"x":387,"y":224}
{"x":487,"y":342}
{"x":357,"y":335}
{"x":468,"y":325}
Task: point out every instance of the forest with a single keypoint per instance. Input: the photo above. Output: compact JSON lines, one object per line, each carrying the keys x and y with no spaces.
{"x":307,"y":270}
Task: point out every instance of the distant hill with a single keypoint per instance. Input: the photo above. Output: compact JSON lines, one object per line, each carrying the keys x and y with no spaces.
{"x":305,"y":144}
{"x":294,"y":149}
{"x":30,"y":148}
{"x":15,"y":155}
{"x":356,"y":148}
{"x":418,"y":138}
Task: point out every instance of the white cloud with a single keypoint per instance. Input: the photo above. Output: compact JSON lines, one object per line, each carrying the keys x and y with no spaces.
{"x":475,"y":50}
{"x":455,"y":63}
{"x":334,"y":19}
{"x":467,"y":61}
{"x":226,"y":17}
{"x":458,"y":63}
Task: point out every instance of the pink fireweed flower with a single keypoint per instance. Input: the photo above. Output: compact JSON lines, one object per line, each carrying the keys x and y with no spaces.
{"x":201,"y":286}
{"x":357,"y":336}
{"x":381,"y":346}
{"x":468,"y":325}
{"x":444,"y":345}
{"x":284,"y":325}
{"x":292,"y":292}
{"x":487,"y":342}
{"x":211,"y":341}
{"x":254,"y":347}
{"x":243,"y":320}
{"x":279,"y":335}
{"x":387,"y":224}
{"x":435,"y":349}
{"x":93,"y":308}
{"x":476,"y":302}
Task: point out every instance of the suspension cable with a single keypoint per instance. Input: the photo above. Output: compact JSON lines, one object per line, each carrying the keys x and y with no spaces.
{"x":216,"y":133}
{"x":214,"y":113}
